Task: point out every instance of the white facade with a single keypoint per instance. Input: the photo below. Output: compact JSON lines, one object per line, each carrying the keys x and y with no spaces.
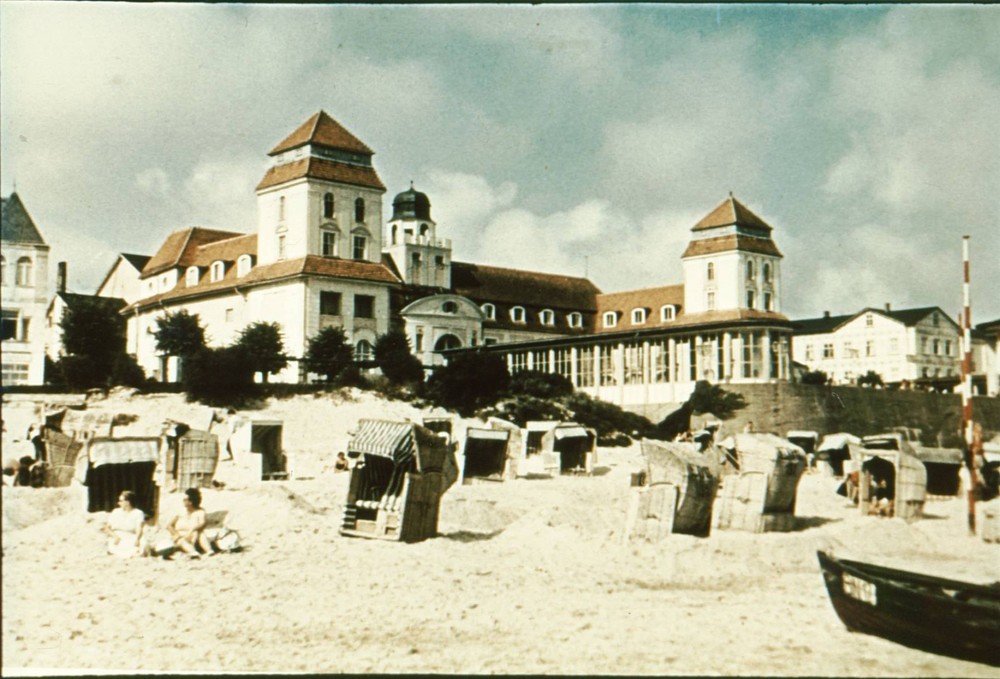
{"x":24,"y":269}
{"x":897,"y":348}
{"x":732,"y":280}
{"x":123,"y":280}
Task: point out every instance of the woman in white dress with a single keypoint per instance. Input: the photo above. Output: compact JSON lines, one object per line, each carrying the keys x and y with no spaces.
{"x":124,"y":527}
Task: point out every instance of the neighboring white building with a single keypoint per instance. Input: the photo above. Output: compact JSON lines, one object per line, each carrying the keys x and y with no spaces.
{"x":123,"y":278}
{"x":921,"y":346}
{"x":24,"y":269}
{"x":986,"y":356}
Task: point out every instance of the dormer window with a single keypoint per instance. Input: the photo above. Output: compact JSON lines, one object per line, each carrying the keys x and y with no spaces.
{"x":517,"y":314}
{"x":489,"y":311}
{"x":750,"y":270}
{"x":638,"y":316}
{"x":243,"y":265}
{"x":575,"y":320}
{"x":359,"y":211}
{"x":191,"y":276}
{"x":547,"y":317}
{"x":449,"y":307}
{"x":218,"y":271}
{"x":668,"y":312}
{"x":610,"y":319}
{"x":328,"y":206}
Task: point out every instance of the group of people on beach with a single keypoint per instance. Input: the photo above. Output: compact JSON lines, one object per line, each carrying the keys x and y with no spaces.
{"x":132,"y":533}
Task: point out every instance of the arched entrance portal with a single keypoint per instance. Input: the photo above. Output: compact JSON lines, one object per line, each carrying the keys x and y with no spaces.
{"x":448,"y":341}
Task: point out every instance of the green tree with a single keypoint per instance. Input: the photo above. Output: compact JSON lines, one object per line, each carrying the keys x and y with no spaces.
{"x":179,"y":334}
{"x":93,"y":337}
{"x":393,"y":357}
{"x":263,"y":348}
{"x":468,"y":383}
{"x":329,"y":353}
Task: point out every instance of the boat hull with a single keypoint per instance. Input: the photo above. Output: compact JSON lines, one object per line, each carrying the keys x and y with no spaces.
{"x":941,"y":616}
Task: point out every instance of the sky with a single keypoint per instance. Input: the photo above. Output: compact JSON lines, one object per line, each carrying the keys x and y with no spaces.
{"x":573,"y":139}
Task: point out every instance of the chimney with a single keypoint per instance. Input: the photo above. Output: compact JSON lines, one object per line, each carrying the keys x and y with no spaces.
{"x":826,"y":314}
{"x":888,"y":307}
{"x":61,"y":277}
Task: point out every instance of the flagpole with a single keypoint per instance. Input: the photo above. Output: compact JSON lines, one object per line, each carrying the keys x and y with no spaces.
{"x":967,"y":385}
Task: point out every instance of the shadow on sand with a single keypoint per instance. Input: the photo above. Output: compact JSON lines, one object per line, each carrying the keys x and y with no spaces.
{"x":469,"y":535}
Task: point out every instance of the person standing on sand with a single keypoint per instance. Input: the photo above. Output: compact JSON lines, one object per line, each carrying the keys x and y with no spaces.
{"x":188,"y":528}
{"x":125,"y":526}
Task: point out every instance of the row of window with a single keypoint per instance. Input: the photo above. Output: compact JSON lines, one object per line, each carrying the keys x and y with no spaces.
{"x":328,"y":245}
{"x":936,"y":347}
{"x":330,"y":304}
{"x":518,"y":314}
{"x":22,"y":273}
{"x":767,"y":298}
{"x":765,"y":269}
{"x":328,"y":208}
{"x":668,"y":312}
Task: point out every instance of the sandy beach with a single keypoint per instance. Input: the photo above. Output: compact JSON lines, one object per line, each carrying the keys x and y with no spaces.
{"x":526,"y":576}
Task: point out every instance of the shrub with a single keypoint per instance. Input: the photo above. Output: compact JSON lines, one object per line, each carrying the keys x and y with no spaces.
{"x":540,"y":384}
{"x":711,"y":398}
{"x":468,"y":383}
{"x":817,"y":377}
{"x":870,"y":379}
{"x":607,"y":419}
{"x":521,"y":409}
{"x":393,"y":357}
{"x":220,"y":378}
{"x":329,"y":353}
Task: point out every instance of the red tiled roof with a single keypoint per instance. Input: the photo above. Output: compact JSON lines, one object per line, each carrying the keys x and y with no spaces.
{"x":731,"y":211}
{"x":544,"y":290}
{"x":650,"y":299}
{"x":708,"y":246}
{"x":321,"y":130}
{"x":180,"y":247}
{"x":310,"y":265}
{"x":318,"y":168}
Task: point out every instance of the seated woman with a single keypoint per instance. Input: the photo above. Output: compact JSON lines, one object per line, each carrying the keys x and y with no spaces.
{"x":188,"y":528}
{"x":125,"y":527}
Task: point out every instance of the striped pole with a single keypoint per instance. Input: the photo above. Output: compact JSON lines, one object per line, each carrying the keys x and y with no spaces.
{"x":967,"y":384}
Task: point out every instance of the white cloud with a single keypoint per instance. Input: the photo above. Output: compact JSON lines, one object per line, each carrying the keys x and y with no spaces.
{"x":153,"y":181}
{"x":463,"y":201}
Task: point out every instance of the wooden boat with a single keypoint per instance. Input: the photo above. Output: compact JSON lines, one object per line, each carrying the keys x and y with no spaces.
{"x":947,"y":617}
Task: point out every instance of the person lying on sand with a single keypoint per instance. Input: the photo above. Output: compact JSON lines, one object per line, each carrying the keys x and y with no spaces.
{"x":188,"y":528}
{"x":125,"y":527}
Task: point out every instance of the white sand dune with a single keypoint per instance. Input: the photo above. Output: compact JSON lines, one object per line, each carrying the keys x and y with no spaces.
{"x":526,"y":576}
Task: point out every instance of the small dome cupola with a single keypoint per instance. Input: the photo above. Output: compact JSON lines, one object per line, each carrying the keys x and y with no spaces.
{"x":411,"y":204}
